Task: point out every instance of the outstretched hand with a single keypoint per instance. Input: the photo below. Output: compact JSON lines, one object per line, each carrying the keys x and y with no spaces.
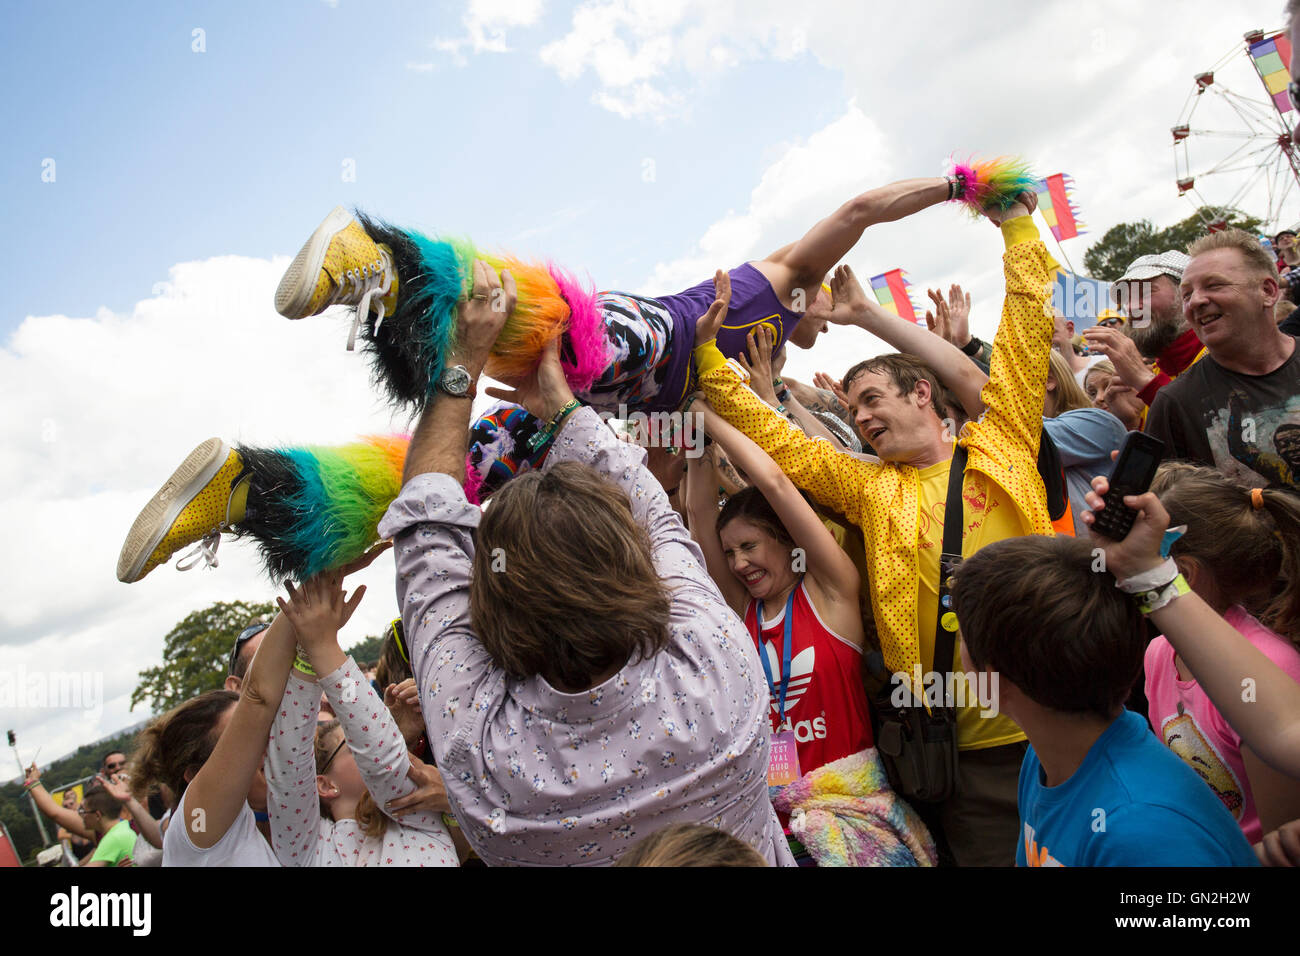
{"x":706,"y":329}
{"x":832,"y":385}
{"x":480,"y":317}
{"x":545,"y":391}
{"x":950,"y":319}
{"x":318,"y":610}
{"x":1024,"y":205}
{"x":851,"y":302}
{"x":759,"y":363}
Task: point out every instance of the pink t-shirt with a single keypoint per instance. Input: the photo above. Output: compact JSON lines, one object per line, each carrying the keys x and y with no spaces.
{"x":1192,"y":727}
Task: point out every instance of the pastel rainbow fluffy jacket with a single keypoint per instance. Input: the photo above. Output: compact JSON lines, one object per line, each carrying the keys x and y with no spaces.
{"x":845,"y":814}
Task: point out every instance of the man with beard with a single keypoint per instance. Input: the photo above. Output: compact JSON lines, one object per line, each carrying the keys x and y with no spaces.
{"x":1156,"y":329}
{"x":1239,"y":410}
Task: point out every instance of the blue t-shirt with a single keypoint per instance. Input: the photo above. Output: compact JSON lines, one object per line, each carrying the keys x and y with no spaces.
{"x":1085,"y":437}
{"x":1132,"y":802}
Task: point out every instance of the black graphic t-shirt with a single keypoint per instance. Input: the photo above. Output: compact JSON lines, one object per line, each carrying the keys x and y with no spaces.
{"x":1246,"y":426}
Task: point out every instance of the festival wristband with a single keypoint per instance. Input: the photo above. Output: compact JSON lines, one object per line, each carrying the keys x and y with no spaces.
{"x":551,"y":428}
{"x":972,"y":348}
{"x":1153,"y":578}
{"x":1155,"y":599}
{"x":300,"y":662}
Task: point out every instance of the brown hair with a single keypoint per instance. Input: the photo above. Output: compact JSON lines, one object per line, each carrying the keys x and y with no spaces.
{"x":1257,"y":260}
{"x":98,"y":798}
{"x":1245,"y":549}
{"x":564,"y":584}
{"x":1035,"y":611}
{"x":904,"y":370}
{"x":178,"y":742}
{"x":749,"y":505}
{"x":689,"y":844}
{"x":1068,"y":394}
{"x":1282,"y":309}
{"x":391,"y":669}
{"x":372,"y":820}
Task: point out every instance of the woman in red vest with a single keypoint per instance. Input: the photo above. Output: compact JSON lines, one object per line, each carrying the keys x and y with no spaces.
{"x":781,"y":570}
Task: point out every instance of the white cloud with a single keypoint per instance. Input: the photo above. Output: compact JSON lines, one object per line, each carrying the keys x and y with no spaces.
{"x":485,"y":23}
{"x":97,"y":412}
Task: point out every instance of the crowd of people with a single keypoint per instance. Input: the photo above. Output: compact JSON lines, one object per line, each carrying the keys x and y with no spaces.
{"x":864,"y":620}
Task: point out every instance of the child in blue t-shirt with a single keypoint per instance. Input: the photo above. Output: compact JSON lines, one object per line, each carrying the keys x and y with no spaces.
{"x":1063,"y":643}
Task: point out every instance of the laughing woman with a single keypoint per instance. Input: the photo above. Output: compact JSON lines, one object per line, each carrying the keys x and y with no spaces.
{"x":781,"y":571}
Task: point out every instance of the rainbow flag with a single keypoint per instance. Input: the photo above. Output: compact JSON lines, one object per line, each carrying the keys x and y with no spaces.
{"x":891,"y":291}
{"x":1055,"y":205}
{"x":1272,"y":57}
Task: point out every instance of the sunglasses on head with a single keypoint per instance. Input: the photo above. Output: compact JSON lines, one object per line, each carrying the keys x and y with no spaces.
{"x":325,"y":766}
{"x":246,"y":635}
{"x":399,"y":639}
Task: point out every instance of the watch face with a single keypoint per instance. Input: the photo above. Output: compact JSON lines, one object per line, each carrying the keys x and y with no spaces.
{"x":455,"y":380}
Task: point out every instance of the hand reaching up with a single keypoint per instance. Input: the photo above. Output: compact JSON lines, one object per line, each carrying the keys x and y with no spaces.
{"x":706,"y":329}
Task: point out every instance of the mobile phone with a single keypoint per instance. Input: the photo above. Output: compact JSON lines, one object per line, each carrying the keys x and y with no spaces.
{"x":1136,"y":466}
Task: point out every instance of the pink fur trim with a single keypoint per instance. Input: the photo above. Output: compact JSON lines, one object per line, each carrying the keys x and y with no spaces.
{"x":586,"y":331}
{"x":473,"y":482}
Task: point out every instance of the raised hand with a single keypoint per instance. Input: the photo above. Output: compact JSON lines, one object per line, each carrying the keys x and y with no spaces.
{"x":429,"y":793}
{"x":759,"y":344}
{"x":706,"y":329}
{"x":116,"y":786}
{"x":1123,"y":354}
{"x":1140,"y":549}
{"x":480,"y":317}
{"x":545,"y":391}
{"x":1024,"y":205}
{"x":832,"y":385}
{"x":403,"y":702}
{"x":319,"y":609}
{"x":851,"y":302}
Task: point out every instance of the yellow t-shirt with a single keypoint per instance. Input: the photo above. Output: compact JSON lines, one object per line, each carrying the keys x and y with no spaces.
{"x":989,"y":517}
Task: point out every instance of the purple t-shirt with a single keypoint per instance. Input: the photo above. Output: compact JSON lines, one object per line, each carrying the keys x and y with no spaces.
{"x":753,"y":303}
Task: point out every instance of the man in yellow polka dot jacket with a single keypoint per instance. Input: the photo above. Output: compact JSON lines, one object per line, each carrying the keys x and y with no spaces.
{"x":899,"y":504}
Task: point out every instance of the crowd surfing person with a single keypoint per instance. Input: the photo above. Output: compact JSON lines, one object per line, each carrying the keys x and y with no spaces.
{"x":619,"y":351}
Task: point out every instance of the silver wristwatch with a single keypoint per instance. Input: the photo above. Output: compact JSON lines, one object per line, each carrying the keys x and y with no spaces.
{"x":456,"y":382}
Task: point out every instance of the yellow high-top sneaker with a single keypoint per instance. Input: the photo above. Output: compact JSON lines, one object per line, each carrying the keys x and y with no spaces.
{"x":206,"y":495}
{"x":339,"y":265}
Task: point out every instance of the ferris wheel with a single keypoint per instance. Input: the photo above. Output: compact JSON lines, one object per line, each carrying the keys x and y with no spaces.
{"x":1232,"y":146}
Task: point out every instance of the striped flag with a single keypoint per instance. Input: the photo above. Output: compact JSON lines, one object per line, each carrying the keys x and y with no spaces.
{"x":891,"y":289}
{"x":1054,"y":203}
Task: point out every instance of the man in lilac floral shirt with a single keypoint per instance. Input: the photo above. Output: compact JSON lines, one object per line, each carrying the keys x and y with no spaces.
{"x":540,"y":776}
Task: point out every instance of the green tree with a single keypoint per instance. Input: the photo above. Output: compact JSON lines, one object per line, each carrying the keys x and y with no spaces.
{"x":366,"y":653}
{"x":196,"y":653}
{"x":1111,"y":254}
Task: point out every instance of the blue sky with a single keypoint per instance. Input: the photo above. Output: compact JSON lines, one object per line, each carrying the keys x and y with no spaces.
{"x":644,"y":142}
{"x":164,"y":154}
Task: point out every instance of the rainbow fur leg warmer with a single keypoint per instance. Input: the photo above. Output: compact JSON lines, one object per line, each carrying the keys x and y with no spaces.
{"x":846,"y":815}
{"x":409,"y":347}
{"x":315,"y":508}
{"x":991,"y":183}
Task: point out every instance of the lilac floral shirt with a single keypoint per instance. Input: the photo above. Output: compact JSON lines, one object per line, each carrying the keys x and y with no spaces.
{"x":539,"y":777}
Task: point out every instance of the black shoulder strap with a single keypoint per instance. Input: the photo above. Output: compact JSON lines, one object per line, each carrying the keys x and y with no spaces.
{"x":954,"y":521}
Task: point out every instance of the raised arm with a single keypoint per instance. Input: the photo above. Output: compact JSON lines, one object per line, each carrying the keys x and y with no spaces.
{"x":147,"y":826}
{"x":830,"y":567}
{"x":808,"y":260}
{"x":702,"y":513}
{"x":292,"y":801}
{"x":835,"y":479}
{"x":954,"y":369}
{"x":70,"y":820}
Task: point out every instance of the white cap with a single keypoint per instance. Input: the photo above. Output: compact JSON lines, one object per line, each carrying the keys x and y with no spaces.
{"x":1171,"y":263}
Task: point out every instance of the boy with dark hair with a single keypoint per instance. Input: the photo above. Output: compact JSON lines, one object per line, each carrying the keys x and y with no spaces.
{"x":102,"y":812}
{"x":1065,"y":641}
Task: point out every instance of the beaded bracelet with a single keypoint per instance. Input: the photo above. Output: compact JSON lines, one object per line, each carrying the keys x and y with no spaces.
{"x":549,"y":430}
